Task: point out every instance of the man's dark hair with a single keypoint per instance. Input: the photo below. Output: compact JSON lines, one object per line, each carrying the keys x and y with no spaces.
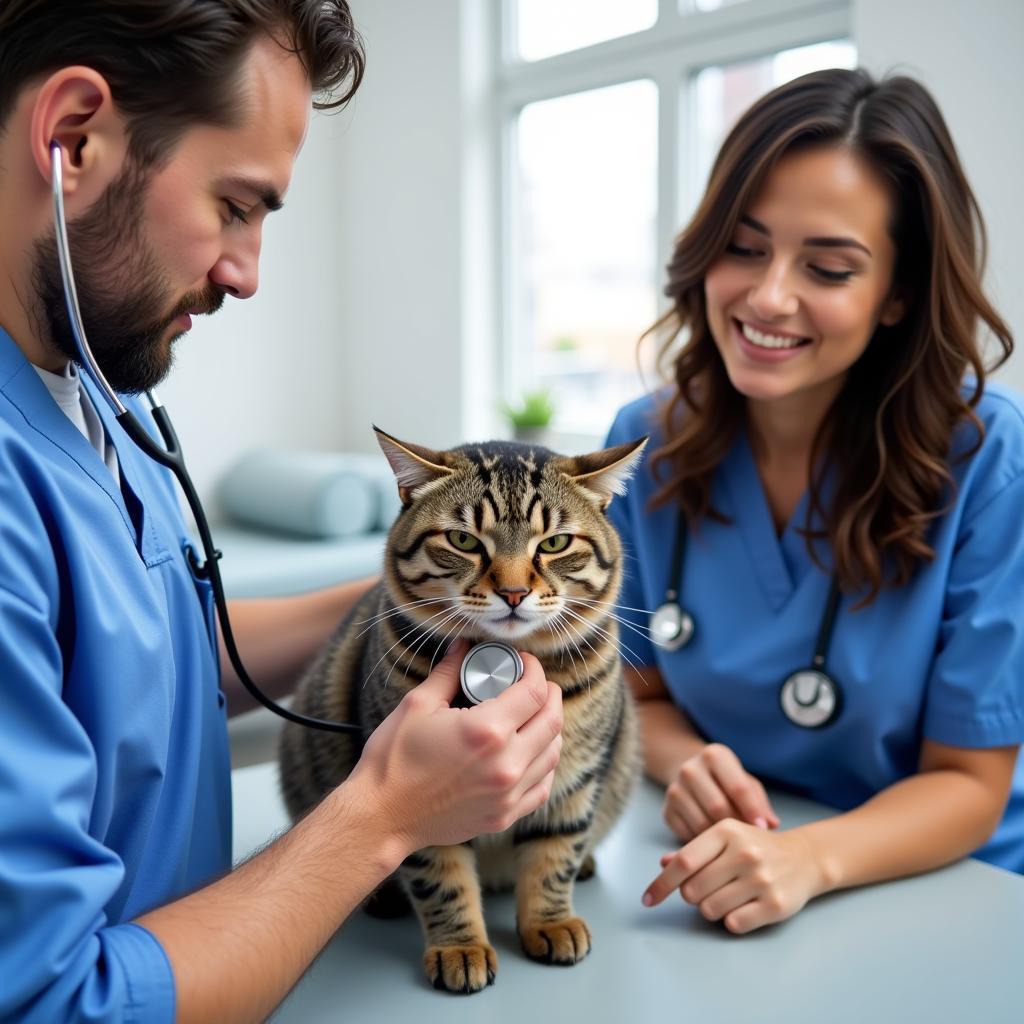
{"x":172,"y":64}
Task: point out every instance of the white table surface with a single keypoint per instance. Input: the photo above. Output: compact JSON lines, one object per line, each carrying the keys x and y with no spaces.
{"x":943,"y":947}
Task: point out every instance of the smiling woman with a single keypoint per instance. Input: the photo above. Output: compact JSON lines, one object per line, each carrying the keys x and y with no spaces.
{"x":852,"y":487}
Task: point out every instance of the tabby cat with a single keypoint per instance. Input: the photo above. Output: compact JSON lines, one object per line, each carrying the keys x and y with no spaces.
{"x":496,"y":541}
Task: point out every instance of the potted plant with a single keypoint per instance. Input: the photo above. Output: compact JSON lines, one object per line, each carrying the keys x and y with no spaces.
{"x":531,"y":418}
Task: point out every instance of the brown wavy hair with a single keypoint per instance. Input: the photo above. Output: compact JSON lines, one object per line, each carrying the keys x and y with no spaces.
{"x":890,"y":429}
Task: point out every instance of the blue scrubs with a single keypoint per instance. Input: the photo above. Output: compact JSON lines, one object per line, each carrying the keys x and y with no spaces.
{"x":114,"y":768}
{"x":941,"y":658}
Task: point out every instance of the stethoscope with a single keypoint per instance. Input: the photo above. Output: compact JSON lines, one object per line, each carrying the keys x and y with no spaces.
{"x":488,"y":668}
{"x":809,"y":697}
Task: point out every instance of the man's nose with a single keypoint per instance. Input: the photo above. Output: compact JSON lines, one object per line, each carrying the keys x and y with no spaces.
{"x":513,"y":596}
{"x":237,"y":271}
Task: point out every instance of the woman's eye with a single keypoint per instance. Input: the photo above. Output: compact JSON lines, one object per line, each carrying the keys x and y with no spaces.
{"x":235,"y":212}
{"x":742,"y":251}
{"x":552,"y":545}
{"x":832,"y":275}
{"x":463,"y":541}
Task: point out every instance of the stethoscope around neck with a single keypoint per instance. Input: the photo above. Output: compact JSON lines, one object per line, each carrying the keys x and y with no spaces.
{"x":808,"y":697}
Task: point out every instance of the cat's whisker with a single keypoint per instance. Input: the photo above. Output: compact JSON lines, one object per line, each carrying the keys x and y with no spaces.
{"x":610,"y":604}
{"x":411,"y":652}
{"x":568,"y":625}
{"x":639,"y":630}
{"x":467,"y":621}
{"x":369,"y":675}
{"x":560,"y":630}
{"x":616,"y":642}
{"x":456,"y":613}
{"x":376,"y":619}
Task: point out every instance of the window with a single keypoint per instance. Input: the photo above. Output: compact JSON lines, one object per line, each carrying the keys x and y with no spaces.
{"x":611,"y":115}
{"x":546,"y":27}
{"x":586,"y":195}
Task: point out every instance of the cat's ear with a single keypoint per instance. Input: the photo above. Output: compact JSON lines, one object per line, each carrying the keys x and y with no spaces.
{"x":412,"y":464}
{"x":605,"y":473}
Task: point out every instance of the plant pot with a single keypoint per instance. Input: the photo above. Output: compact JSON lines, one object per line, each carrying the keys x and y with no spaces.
{"x":530,"y":435}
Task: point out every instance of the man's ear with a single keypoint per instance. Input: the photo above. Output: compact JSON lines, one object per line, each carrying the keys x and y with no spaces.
{"x":74,"y":106}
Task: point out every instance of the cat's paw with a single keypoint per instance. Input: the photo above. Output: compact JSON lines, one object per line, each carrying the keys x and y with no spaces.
{"x":463,"y":969}
{"x":557,"y":942}
{"x":587,"y":869}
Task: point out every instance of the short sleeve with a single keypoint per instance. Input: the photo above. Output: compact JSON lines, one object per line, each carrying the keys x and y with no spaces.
{"x":626,"y":514}
{"x":60,"y":958}
{"x":976,"y":689}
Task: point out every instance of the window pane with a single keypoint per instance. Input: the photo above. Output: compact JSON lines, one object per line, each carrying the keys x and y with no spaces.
{"x":586,"y":204}
{"x":547,"y":27}
{"x":723,"y":93}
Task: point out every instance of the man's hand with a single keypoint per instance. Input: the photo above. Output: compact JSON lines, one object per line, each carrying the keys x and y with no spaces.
{"x":447,"y":774}
{"x":712,"y":786}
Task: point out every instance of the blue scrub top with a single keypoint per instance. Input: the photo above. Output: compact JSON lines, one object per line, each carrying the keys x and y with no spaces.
{"x":941,"y":658}
{"x":114,"y":768}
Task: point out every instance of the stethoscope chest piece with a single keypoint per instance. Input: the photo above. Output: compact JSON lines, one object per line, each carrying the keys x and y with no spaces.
{"x":810,"y":698}
{"x":671,"y":626}
{"x":488,"y":670}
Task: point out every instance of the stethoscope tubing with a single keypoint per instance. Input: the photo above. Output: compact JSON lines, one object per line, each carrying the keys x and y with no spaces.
{"x":828,"y":695}
{"x":171,"y":457}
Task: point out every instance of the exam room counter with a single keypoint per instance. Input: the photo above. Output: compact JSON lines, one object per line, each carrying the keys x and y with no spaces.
{"x":943,"y":947}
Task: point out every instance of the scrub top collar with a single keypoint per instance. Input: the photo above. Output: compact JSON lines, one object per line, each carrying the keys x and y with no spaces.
{"x":21,"y":385}
{"x":781,"y":563}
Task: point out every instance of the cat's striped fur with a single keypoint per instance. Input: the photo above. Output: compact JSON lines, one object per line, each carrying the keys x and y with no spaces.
{"x":478,"y":552}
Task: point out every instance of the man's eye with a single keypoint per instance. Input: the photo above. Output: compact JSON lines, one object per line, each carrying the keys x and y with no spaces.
{"x":235,"y":212}
{"x":552,"y":545}
{"x":463,"y":541}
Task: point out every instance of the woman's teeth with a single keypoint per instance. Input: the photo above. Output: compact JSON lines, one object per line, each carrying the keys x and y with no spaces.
{"x":756,"y":337}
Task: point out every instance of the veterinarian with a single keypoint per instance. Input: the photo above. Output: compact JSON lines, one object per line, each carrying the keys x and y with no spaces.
{"x":828,"y":529}
{"x":176,"y":126}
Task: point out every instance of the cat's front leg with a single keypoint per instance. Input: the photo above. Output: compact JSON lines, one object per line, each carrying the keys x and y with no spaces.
{"x":548,"y":929}
{"x":444,"y":889}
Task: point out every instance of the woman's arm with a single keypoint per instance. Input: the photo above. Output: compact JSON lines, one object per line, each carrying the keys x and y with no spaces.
{"x":278,"y":637}
{"x":705,"y":782}
{"x":749,"y":878}
{"x":944,"y":812}
{"x":669,"y":736}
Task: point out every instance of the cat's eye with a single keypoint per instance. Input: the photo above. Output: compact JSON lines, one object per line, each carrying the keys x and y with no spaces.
{"x":552,"y":545}
{"x":463,"y":541}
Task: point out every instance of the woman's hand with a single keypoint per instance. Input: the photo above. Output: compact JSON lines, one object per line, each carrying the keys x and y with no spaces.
{"x":742,"y":875}
{"x":712,"y":786}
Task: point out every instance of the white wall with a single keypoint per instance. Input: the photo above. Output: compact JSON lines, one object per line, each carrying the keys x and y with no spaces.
{"x":969,"y":54}
{"x":376,"y":298}
{"x":270,"y":370}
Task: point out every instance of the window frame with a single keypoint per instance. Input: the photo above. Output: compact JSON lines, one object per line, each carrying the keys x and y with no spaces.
{"x":670,"y":53}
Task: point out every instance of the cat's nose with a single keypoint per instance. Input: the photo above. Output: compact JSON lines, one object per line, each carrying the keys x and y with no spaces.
{"x":513,"y":596}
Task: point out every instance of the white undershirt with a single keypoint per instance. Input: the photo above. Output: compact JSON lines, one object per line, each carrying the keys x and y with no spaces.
{"x":68,"y":393}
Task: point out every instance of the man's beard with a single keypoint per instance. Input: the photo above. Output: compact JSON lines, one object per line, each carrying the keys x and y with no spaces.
{"x":120,"y":290}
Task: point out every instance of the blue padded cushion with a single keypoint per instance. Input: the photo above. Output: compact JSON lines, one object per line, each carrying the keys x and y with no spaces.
{"x":310,"y":494}
{"x":260,"y":564}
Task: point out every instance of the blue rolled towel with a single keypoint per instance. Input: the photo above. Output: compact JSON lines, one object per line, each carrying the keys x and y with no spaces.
{"x":310,"y":494}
